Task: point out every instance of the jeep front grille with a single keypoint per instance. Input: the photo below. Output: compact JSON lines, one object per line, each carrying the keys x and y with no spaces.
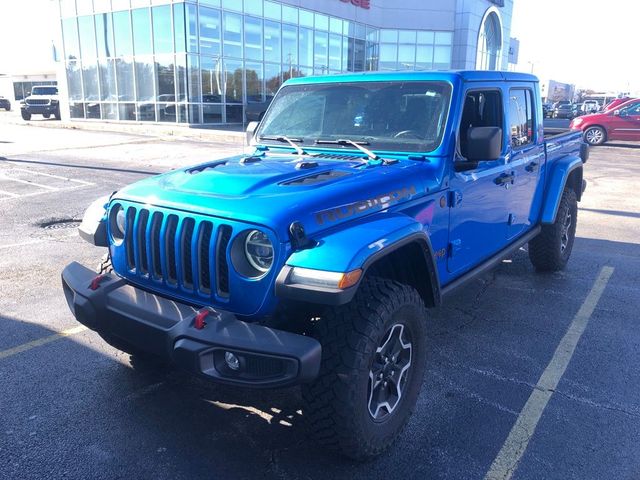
{"x":37,"y":101}
{"x":186,"y":253}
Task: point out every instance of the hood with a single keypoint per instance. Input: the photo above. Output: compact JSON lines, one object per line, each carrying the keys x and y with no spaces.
{"x":274,"y":190}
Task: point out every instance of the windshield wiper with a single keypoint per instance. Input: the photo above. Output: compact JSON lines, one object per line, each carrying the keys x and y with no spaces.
{"x":346,"y":141}
{"x":290,"y":141}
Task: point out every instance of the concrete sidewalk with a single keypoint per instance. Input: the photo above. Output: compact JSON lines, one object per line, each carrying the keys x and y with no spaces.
{"x":218,"y":133}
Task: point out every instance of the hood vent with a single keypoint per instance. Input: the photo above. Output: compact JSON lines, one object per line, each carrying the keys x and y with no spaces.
{"x":316,"y":178}
{"x":206,"y":166}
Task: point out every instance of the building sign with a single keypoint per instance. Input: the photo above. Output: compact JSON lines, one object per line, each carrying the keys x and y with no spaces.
{"x":514,"y":50}
{"x":359,"y":3}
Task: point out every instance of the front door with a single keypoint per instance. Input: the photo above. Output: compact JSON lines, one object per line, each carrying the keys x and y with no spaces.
{"x":479,"y":212}
{"x":626,"y":125}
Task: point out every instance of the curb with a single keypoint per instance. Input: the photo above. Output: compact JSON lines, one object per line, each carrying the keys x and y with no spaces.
{"x":206,"y":134}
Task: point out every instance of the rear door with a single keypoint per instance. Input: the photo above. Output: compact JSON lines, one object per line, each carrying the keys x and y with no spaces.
{"x":626,"y":125}
{"x":525,"y":155}
{"x":479,"y":210}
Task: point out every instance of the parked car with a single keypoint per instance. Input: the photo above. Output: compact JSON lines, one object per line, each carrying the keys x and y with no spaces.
{"x":42,"y":100}
{"x":5,"y":103}
{"x":590,"y":106}
{"x":311,"y":260}
{"x":623,"y":123}
{"x":547,"y":110}
{"x":255,"y":110}
{"x":561,"y":102}
{"x":565,"y":110}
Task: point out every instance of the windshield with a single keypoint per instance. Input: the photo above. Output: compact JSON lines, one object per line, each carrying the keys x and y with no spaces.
{"x":44,"y":91}
{"x":397,"y":116}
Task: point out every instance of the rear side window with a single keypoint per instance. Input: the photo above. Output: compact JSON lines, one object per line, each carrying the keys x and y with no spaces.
{"x":520,"y":116}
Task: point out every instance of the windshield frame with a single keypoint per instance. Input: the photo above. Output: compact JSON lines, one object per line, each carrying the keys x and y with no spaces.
{"x":310,"y":145}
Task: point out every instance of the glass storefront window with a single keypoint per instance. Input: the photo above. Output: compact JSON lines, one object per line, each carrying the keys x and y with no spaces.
{"x":211,"y":70}
{"x":194,"y":113}
{"x":122,"y":33}
{"x":127,"y":111}
{"x":321,"y":50}
{"x":305,"y":39}
{"x":162,"y":32}
{"x":145,"y":79}
{"x":70,"y":36}
{"x":289,"y":14}
{"x":272,"y":10}
{"x":76,"y":109}
{"x":289,"y":45}
{"x":232,"y":5}
{"x":124,"y":72}
{"x":443,"y":38}
{"x":109,"y":111}
{"x":407,"y":36}
{"x":335,"y":25}
{"x":253,"y":81}
{"x":107,"y":71}
{"x":272,"y":79}
{"x":146,"y":112}
{"x":142,"y":31}
{"x":253,"y":38}
{"x":192,"y":28}
{"x":441,"y":57}
{"x":271,"y":41}
{"x":335,"y":52}
{"x":211,"y":113}
{"x":253,"y":7}
{"x":359,"y":53}
{"x":179,"y":27}
{"x":74,"y":80}
{"x":165,"y":79}
{"x":389,"y":36}
{"x":92,"y":110}
{"x":424,"y":57}
{"x":193,"y":69}
{"x":181,"y":78}
{"x":425,"y":38}
{"x":166,"y":112}
{"x":90,"y":80}
{"x":406,"y":57}
{"x":388,"y":56}
{"x":322,"y":22}
{"x":233,"y":81}
{"x":232,"y":35}
{"x":209,"y":31}
{"x":213,"y":3}
{"x":104,"y":35}
{"x":306,"y":18}
{"x":87,"y":34}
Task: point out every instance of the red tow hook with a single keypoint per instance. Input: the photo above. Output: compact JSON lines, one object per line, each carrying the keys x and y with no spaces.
{"x":199,"y":322}
{"x":95,"y":283}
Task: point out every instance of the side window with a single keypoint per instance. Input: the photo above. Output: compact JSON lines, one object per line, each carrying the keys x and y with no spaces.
{"x":520,"y":116}
{"x":481,"y":109}
{"x":631,"y":110}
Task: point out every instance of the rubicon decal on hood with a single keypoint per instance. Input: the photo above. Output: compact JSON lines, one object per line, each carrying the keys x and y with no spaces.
{"x":382,"y":201}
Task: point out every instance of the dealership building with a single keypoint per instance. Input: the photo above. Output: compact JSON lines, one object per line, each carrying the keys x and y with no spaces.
{"x":205,"y":62}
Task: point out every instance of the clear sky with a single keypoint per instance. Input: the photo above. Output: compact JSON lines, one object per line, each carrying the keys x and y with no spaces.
{"x":590,"y":43}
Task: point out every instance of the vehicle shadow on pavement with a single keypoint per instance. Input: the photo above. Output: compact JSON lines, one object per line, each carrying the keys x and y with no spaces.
{"x":621,"y":145}
{"x":82,"y":167}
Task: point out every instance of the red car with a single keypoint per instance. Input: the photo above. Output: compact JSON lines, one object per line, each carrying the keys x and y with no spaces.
{"x":615,"y":103}
{"x":623,"y":123}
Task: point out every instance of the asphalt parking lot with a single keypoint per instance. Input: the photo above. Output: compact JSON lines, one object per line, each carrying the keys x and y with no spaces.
{"x":73,"y":407}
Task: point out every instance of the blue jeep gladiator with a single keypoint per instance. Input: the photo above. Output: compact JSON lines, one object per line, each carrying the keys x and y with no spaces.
{"x":368,"y":198}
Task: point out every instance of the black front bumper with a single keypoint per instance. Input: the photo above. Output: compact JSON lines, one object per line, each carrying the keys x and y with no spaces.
{"x":40,"y":109}
{"x":163,"y":327}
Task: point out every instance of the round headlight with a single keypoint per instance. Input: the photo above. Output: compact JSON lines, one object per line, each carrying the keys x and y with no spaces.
{"x":118,"y":222}
{"x":259,"y":250}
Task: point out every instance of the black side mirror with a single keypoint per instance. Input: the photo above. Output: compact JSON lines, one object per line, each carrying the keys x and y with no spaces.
{"x":484,"y":143}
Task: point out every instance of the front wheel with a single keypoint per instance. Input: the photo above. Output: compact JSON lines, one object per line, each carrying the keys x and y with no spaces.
{"x":595,"y":135}
{"x":25,"y":115}
{"x":373,"y":362}
{"x":46,"y":115}
{"x":551,"y":249}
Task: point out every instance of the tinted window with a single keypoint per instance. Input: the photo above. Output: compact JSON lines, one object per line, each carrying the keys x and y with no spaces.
{"x":398,"y":116}
{"x":122,"y":33}
{"x":142,"y":31}
{"x":521,"y":116}
{"x":44,"y":91}
{"x":633,"y":109}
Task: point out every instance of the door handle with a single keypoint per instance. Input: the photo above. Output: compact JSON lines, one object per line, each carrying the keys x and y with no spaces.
{"x":532,"y":167}
{"x":504,"y":179}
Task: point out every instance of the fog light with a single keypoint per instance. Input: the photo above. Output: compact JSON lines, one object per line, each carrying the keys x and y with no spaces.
{"x":233,"y":362}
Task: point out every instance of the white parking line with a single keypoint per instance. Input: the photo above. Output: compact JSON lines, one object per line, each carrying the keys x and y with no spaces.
{"x":506,"y":463}
{"x":27,"y":182}
{"x":53,"y":176}
{"x":6,"y":175}
{"x":11,"y":195}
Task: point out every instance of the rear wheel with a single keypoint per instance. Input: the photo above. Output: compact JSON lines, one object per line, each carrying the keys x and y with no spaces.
{"x":25,"y":115}
{"x":551,"y":249}
{"x":56,"y":114}
{"x":373,"y":362}
{"x":595,"y":135}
